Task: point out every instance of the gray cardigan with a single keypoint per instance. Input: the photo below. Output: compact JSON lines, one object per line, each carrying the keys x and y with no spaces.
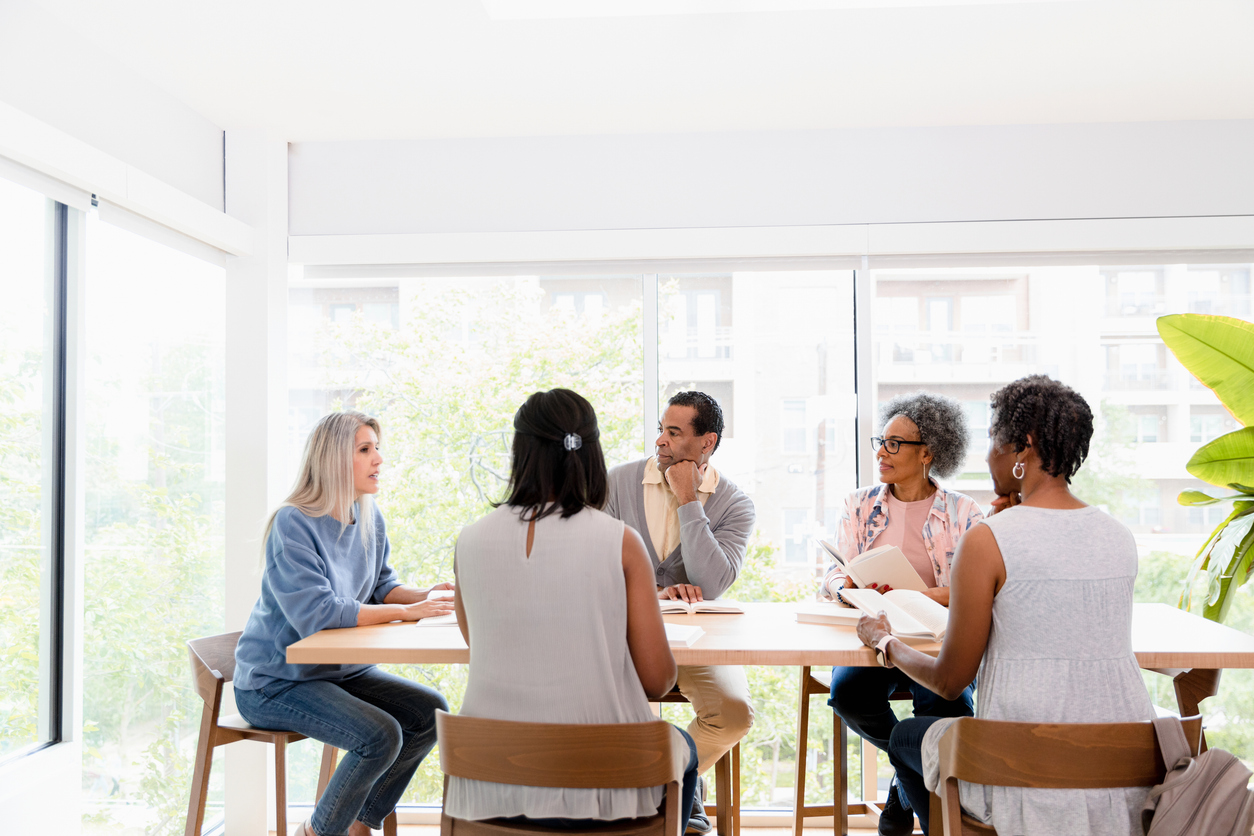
{"x":712,"y":538}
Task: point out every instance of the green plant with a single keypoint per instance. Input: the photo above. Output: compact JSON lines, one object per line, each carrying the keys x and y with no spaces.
{"x":1219,"y":352}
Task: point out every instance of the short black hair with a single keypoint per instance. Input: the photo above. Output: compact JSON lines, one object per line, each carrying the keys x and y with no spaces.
{"x":557,"y":455}
{"x":942,"y":427}
{"x":709,"y":417}
{"x":1057,"y":417}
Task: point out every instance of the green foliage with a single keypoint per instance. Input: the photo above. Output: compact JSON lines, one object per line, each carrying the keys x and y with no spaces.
{"x":1219,"y":351}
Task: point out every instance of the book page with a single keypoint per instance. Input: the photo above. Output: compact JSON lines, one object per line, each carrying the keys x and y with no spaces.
{"x":921,"y":608}
{"x":885,"y":565}
{"x":903,"y":623}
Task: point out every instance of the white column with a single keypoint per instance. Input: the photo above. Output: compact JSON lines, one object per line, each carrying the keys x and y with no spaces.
{"x":256,"y":416}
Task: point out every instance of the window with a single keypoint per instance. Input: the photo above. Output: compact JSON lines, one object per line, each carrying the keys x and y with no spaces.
{"x":29,"y":470}
{"x":797,"y":535}
{"x":1205,"y":427}
{"x":794,"y":427}
{"x":1148,"y":427}
{"x":154,"y":531}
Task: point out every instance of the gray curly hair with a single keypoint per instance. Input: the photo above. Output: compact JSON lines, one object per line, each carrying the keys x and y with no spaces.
{"x":942,"y":427}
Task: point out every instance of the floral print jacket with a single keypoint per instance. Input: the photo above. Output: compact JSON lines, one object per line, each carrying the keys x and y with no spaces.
{"x":866,"y":516}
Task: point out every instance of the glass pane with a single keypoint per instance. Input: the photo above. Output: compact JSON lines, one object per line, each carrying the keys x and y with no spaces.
{"x":1093,"y":327}
{"x":445,"y":381}
{"x":26,"y":461}
{"x":776,"y":351}
{"x":154,"y":524}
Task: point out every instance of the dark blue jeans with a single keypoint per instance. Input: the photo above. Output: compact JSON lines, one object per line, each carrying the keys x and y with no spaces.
{"x":687,"y":797}
{"x":860,"y":698}
{"x":905,"y":753}
{"x":384,"y":723}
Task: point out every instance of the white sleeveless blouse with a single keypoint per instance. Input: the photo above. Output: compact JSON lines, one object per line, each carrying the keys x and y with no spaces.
{"x":548,"y":644}
{"x":1060,"y":651}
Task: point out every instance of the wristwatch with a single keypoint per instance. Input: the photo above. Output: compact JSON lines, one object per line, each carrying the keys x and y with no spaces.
{"x":881,"y":652}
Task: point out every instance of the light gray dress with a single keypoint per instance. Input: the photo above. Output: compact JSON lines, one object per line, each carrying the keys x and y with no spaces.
{"x":1060,"y":651}
{"x":548,"y":644}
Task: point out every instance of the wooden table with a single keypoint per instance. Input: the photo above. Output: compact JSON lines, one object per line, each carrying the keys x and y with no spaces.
{"x":1186,"y":647}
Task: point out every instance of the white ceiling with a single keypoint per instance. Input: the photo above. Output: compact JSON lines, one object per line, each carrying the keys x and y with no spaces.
{"x":390,"y":69}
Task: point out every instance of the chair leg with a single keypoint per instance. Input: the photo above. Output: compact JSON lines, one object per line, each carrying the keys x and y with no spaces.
{"x":722,"y":783}
{"x":803,"y":740}
{"x":840,"y":777}
{"x":735,"y":800}
{"x":280,"y":787}
{"x":389,"y":824}
{"x":329,"y":756}
{"x":200,"y":777}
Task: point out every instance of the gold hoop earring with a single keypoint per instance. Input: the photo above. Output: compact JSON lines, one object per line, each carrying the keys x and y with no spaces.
{"x":1018,"y":470}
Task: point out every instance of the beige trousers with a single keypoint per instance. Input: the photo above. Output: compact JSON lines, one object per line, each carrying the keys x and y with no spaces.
{"x":720,"y":697}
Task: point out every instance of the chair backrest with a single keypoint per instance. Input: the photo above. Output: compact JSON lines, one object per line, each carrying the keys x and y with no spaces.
{"x":575,"y":755}
{"x":1056,"y":755}
{"x":209,"y":656}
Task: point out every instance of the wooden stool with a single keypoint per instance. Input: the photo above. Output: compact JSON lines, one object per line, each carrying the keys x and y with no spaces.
{"x":840,"y":809}
{"x":726,"y":806}
{"x":213,"y":665}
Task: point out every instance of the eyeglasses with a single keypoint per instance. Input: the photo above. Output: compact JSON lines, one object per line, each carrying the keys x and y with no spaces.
{"x":893,"y":444}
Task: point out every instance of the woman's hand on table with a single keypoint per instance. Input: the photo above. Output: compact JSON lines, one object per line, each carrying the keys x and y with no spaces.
{"x":426,"y":609}
{"x":873,"y":628}
{"x":441,"y":588}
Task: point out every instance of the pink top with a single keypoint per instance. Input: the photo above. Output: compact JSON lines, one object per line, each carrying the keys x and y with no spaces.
{"x":905,"y":531}
{"x":866,"y":516}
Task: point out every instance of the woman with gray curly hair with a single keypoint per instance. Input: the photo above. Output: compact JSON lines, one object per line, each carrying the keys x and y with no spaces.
{"x":923,"y":436}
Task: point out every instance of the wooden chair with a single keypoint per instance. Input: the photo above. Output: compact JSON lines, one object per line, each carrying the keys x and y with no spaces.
{"x":1044,"y":755}
{"x":573,"y":755}
{"x":726,"y":806}
{"x":213,"y":665}
{"x":813,"y":684}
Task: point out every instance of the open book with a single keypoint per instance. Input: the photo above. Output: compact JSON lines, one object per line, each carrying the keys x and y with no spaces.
{"x":912,"y":614}
{"x":682,"y":635}
{"x":885,"y":565}
{"x":718,"y":605}
{"x":824,"y":612}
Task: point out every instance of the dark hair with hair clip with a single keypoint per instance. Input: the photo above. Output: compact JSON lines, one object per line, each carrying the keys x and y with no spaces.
{"x":1058,"y":419}
{"x":709,"y":417}
{"x":557,"y":461}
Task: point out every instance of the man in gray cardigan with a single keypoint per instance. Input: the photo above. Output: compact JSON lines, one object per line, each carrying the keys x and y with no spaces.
{"x":696,"y":526}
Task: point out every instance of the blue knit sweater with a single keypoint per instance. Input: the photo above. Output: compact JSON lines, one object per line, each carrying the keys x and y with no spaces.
{"x":317,"y":576}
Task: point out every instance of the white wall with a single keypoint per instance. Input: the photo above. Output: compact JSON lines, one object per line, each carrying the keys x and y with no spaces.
{"x":60,"y":78}
{"x":872,"y":176}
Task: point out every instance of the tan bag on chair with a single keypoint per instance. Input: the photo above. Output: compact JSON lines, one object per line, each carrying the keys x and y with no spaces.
{"x":1203,"y":796}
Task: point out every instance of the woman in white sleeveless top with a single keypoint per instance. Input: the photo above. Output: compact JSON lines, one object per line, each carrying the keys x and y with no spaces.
{"x":558,"y":605}
{"x":1041,"y":605}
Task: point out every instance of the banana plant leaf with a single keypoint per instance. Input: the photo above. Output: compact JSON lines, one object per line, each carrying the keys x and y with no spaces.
{"x":1203,"y":561}
{"x":1221,"y":596}
{"x":1219,"y":351}
{"x":1227,"y":460}
{"x":1197,"y":498}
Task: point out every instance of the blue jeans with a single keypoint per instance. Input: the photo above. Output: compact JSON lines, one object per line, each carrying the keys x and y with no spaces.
{"x":384,"y":723}
{"x":905,"y":753}
{"x":860,"y":698}
{"x":687,"y":797}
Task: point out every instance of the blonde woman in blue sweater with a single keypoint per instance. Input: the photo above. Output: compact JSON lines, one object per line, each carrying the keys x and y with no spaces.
{"x":327,"y":566}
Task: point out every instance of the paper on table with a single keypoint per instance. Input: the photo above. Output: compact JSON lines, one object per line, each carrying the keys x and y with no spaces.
{"x":437,"y":620}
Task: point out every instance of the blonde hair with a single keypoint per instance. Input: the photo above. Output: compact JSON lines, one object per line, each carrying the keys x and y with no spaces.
{"x":324,"y":484}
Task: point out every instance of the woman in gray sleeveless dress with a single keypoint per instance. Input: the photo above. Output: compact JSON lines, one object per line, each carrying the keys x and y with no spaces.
{"x":558,"y":605}
{"x":1041,"y":605}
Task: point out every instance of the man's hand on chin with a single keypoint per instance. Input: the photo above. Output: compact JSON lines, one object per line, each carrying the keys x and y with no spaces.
{"x":685,"y":477}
